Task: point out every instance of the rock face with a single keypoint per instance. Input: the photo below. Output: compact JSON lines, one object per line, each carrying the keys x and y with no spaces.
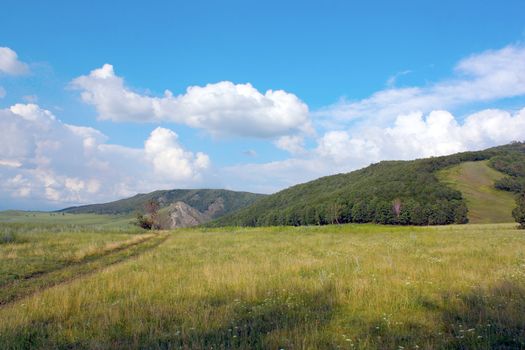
{"x":183,"y":215}
{"x":216,"y":208}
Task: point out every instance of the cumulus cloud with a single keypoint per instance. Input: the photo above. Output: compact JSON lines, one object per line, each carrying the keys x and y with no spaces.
{"x":222,"y":108}
{"x":416,"y":135}
{"x":170,"y":159}
{"x":52,"y":162}
{"x":487,"y":76}
{"x":9,"y":63}
{"x":411,"y":136}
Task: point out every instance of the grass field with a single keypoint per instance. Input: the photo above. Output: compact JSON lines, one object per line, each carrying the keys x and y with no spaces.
{"x":334,"y":287}
{"x":40,"y":256}
{"x":475,"y":180}
{"x":121,"y":222}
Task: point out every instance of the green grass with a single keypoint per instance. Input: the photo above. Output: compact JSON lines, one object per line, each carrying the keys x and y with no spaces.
{"x":475,"y":180}
{"x":37,"y":256}
{"x":330,"y":287}
{"x":48,"y":218}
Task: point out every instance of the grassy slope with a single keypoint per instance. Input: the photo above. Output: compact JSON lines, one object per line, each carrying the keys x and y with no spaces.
{"x":347,"y":286}
{"x":475,"y":180}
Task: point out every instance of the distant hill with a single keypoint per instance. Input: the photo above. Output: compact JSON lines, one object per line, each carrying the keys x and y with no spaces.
{"x":389,"y":192}
{"x":177,"y":206}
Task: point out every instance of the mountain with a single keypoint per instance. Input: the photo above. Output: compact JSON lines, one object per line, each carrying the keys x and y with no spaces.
{"x":389,"y":192}
{"x":178,"y":208}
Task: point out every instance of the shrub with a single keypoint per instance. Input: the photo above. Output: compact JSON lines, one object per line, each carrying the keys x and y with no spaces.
{"x":144,"y":222}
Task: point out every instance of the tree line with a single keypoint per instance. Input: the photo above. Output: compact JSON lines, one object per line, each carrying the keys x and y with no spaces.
{"x":513,"y":165}
{"x":389,"y":192}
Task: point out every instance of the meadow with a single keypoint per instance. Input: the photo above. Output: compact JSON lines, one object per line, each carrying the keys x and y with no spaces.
{"x":35,"y":256}
{"x":40,"y":219}
{"x":330,"y":287}
{"x":475,"y":180}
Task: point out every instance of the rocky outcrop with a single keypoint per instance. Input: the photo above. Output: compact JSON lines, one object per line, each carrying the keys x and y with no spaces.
{"x":215,"y":209}
{"x":183,"y":215}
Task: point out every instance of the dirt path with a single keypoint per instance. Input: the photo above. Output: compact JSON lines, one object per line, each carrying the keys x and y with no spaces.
{"x":37,"y":283}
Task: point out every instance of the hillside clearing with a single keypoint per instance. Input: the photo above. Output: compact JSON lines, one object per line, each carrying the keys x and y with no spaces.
{"x":346,"y":286}
{"x":475,"y":180}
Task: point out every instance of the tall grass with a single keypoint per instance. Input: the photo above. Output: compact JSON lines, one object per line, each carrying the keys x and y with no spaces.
{"x":29,"y":249}
{"x":36,"y":256}
{"x":9,"y":237}
{"x":347,"y":287}
{"x":37,"y":228}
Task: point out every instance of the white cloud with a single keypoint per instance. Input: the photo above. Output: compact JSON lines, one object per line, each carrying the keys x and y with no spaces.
{"x":47,"y":161}
{"x":488,"y":76}
{"x":222,"y":108}
{"x":412,"y":136}
{"x":293,"y":144}
{"x":9,"y":63}
{"x":170,"y":159}
{"x":10,"y":163}
{"x":415,"y":135}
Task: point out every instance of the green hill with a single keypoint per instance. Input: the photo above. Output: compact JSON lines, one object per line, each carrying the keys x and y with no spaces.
{"x":475,"y":180}
{"x":214,"y":202}
{"x":389,"y":192}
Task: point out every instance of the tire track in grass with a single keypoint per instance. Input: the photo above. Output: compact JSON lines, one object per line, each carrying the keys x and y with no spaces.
{"x":36,"y":283}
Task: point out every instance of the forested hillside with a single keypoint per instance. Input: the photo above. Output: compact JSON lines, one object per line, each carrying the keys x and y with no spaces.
{"x":389,"y":192}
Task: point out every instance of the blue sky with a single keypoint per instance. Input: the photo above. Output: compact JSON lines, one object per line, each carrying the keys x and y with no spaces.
{"x":351,"y":83}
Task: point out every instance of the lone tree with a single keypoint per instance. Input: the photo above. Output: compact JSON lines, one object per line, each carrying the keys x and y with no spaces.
{"x":150,"y":221}
{"x":519,"y":212}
